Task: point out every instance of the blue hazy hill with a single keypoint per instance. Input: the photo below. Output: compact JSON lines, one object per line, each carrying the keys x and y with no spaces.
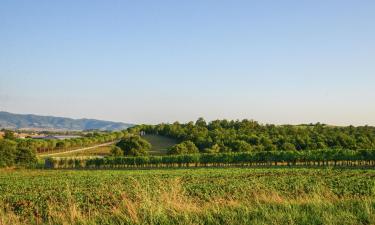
{"x":29,"y":121}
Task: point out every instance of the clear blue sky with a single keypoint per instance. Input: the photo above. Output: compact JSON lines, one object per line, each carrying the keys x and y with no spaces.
{"x":162,"y":61}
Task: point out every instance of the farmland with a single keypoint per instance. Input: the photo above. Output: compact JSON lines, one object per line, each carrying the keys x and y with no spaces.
{"x":98,"y":151}
{"x":188,"y":196}
{"x":159,"y":143}
{"x":223,"y":172}
{"x":323,"y":158}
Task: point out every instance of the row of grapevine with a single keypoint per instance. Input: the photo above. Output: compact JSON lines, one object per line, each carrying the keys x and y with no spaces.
{"x":272,"y":158}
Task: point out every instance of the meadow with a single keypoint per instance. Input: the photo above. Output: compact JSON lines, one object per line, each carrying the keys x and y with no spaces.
{"x":188,"y":196}
{"x":159,"y":144}
{"x":98,"y":151}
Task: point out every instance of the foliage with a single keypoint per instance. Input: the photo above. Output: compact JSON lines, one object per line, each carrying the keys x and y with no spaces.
{"x":159,"y":144}
{"x":134,"y":145}
{"x":186,"y":147}
{"x":8,"y":134}
{"x":96,"y":151}
{"x":25,"y":156}
{"x":249,"y":135}
{"x":213,"y":149}
{"x":11,"y":154}
{"x":8,"y":152}
{"x":263,"y":158}
{"x":48,"y":145}
{"x":116,"y":151}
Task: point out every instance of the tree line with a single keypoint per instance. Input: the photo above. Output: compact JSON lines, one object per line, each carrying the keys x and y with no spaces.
{"x":11,"y":154}
{"x":265,"y":158}
{"x":221,"y":136}
{"x":48,"y":145}
{"x":15,"y":151}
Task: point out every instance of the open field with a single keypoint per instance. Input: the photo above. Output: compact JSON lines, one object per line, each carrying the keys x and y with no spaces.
{"x":188,"y":196}
{"x":160,"y":144}
{"x":81,"y":151}
{"x":98,"y":151}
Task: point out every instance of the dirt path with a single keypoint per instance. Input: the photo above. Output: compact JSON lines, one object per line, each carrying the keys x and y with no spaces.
{"x":75,"y":150}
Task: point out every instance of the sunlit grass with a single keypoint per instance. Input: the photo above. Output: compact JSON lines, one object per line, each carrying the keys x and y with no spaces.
{"x":195,"y":196}
{"x":160,"y":144}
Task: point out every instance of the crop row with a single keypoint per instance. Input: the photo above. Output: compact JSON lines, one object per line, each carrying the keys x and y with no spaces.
{"x":115,"y":196}
{"x":277,"y":158}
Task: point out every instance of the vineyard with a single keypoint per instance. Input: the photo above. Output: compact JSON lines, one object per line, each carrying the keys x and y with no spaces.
{"x":239,"y":173}
{"x":194,"y":196}
{"x":348,"y":158}
{"x":43,"y":146}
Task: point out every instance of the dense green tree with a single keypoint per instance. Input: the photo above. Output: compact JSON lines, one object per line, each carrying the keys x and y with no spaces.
{"x":25,"y":156}
{"x":116,"y":151}
{"x":240,"y":146}
{"x":288,"y":147}
{"x":134,"y":145}
{"x":8,"y":152}
{"x":8,"y":134}
{"x":186,"y":147}
{"x":42,"y":145}
{"x":201,"y":122}
{"x":232,"y":135}
{"x":213,"y":149}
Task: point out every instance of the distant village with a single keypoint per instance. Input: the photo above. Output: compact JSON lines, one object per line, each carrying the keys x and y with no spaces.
{"x":40,"y":135}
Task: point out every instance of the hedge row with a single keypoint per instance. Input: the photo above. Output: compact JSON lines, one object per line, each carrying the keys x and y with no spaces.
{"x":308,"y":158}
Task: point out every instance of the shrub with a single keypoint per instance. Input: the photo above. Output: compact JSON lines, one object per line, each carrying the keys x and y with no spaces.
{"x":8,"y":152}
{"x":134,"y":146}
{"x":25,"y":156}
{"x":116,"y":151}
{"x":186,"y":147}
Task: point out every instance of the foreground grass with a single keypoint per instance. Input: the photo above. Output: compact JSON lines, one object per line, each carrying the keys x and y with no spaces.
{"x":195,"y":196}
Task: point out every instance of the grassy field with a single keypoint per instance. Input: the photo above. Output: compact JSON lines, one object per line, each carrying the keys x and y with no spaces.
{"x":159,"y":144}
{"x":99,"y":151}
{"x":188,"y":196}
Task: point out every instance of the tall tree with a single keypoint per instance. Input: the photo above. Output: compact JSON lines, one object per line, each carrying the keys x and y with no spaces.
{"x":134,"y":145}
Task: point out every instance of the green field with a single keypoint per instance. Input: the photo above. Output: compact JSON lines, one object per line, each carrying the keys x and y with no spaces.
{"x":188,"y":196}
{"x":99,"y":151}
{"x":160,"y":144}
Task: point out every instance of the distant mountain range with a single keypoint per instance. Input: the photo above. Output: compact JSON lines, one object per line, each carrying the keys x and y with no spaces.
{"x":35,"y":122}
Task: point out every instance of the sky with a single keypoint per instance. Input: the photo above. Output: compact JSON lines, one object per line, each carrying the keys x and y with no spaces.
{"x":282,"y":62}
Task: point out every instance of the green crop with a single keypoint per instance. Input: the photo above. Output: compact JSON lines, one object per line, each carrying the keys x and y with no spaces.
{"x":264,"y":158}
{"x":188,"y":196}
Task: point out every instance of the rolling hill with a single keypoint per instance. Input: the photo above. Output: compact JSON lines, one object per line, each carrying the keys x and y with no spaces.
{"x":36,"y":122}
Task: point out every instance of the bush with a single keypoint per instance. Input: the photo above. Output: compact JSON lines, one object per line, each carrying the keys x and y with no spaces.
{"x":186,"y":147}
{"x":240,"y":146}
{"x":214,"y":149}
{"x":8,"y":134}
{"x":11,"y":155}
{"x":134,"y":146}
{"x":8,"y":151}
{"x":116,"y":151}
{"x":25,"y":156}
